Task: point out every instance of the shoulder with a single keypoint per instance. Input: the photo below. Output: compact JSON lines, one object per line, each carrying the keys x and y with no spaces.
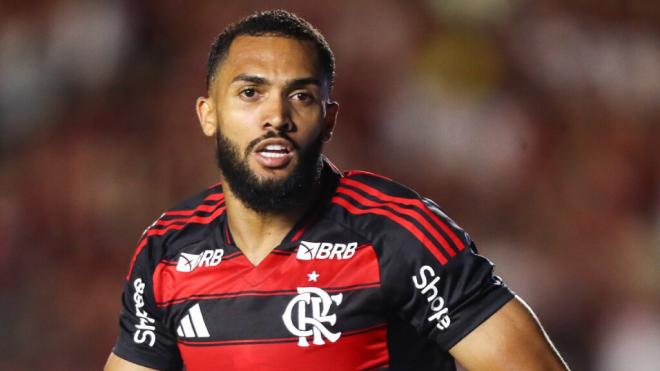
{"x":186,"y":223}
{"x":395,"y":216}
{"x":373,"y":183}
{"x":198,"y":210}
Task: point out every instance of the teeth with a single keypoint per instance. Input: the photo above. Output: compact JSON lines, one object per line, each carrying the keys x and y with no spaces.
{"x":273,"y":154}
{"x":275,"y":147}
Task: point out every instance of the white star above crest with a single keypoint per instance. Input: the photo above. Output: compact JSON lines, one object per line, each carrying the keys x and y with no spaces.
{"x":313,"y":276}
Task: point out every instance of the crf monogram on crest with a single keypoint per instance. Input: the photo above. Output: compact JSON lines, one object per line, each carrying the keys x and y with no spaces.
{"x":303,"y":324}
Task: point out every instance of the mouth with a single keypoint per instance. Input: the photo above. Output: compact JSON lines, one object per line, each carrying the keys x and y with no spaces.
{"x":274,"y":153}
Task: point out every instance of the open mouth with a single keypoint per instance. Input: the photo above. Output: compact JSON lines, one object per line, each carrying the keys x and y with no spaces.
{"x":274,"y":153}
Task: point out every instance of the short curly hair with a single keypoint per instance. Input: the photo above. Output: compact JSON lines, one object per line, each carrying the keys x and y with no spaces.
{"x":272,"y":22}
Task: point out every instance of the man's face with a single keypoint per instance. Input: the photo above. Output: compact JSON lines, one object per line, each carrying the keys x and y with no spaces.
{"x":269,"y":110}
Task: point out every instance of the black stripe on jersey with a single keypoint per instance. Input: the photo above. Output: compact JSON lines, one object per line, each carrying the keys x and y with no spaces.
{"x":274,"y":341}
{"x":166,"y":219}
{"x":225,"y":318}
{"x":414,"y":212}
{"x":390,"y":190}
{"x":191,"y":223}
{"x":415,"y":227}
{"x":281,"y":252}
{"x":447,"y":221}
{"x":389,"y":216}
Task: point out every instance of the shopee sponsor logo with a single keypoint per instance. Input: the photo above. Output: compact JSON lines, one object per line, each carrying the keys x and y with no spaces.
{"x":426,"y":281}
{"x":145,"y":328}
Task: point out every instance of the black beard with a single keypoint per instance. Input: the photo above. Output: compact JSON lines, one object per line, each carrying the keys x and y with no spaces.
{"x":269,"y":196}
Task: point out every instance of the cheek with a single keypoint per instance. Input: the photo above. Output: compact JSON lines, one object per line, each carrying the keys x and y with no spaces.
{"x":309,"y":124}
{"x":236,"y":137}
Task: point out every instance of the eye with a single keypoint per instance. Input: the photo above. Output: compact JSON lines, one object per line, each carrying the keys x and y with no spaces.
{"x":303,"y":97}
{"x":249,"y":93}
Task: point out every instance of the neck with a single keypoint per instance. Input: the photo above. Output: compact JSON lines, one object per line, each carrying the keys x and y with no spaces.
{"x":257,"y":234}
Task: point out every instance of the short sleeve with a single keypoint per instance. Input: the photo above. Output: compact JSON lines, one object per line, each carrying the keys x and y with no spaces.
{"x":439,"y":283}
{"x":143,"y":338}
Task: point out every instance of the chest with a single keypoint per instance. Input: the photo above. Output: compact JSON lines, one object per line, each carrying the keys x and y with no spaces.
{"x":316,"y":299}
{"x":328,"y":286}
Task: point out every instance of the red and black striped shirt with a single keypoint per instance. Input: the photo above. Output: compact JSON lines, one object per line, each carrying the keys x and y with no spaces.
{"x":374,"y":277}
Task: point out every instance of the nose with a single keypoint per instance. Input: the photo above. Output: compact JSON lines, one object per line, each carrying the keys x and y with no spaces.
{"x":277,"y":115}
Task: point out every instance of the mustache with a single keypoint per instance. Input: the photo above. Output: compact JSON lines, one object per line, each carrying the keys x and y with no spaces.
{"x":269,"y":135}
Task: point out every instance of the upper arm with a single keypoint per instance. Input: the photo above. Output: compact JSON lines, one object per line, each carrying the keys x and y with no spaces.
{"x":511,"y":339}
{"x":115,"y":363}
{"x":145,"y":337}
{"x":443,"y":300}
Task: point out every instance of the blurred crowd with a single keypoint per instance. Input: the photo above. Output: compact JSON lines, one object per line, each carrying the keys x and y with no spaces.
{"x":534,"y":124}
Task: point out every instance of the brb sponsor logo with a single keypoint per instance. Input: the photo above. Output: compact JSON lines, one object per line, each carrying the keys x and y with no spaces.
{"x":325,"y":250}
{"x":145,"y":327}
{"x":426,"y":281}
{"x":308,"y":312}
{"x":207,"y":258}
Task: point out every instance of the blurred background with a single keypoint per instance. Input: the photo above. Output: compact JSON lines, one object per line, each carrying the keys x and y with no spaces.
{"x":534,"y":124}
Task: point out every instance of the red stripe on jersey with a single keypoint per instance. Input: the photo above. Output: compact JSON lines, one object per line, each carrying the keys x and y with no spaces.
{"x":192,"y":220}
{"x":228,"y":240}
{"x":397,"y":219}
{"x":159,"y":232}
{"x":214,"y":196}
{"x":357,"y":351}
{"x":313,"y":218}
{"x":362,"y":172}
{"x":412,"y":213}
{"x":407,"y":201}
{"x":292,"y":339}
{"x":299,"y":234}
{"x":206,"y":208}
{"x":202,"y":207}
{"x":274,"y":275}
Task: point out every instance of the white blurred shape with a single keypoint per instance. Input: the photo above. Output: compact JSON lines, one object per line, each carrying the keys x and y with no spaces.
{"x":482,"y":141}
{"x":616,"y":64}
{"x":88,"y":40}
{"x":26,"y":86}
{"x":630,"y":340}
{"x":473,"y":10}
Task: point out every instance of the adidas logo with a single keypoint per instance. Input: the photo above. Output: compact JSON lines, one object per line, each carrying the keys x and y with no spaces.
{"x":209,"y":258}
{"x":192,"y":324}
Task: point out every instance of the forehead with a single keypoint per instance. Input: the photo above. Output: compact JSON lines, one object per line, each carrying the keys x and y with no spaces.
{"x":270,"y":57}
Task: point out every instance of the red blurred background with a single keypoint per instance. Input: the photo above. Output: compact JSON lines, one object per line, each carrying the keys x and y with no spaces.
{"x":534,"y":124}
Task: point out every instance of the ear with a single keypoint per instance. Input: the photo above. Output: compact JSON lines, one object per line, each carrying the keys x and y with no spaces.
{"x":206,"y":115}
{"x":330,"y":119}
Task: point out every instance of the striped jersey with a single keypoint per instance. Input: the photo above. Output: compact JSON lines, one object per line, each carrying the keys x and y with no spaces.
{"x":373,"y":277}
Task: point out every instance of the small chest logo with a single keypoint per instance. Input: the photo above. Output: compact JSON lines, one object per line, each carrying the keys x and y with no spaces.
{"x":307,"y":314}
{"x":192,"y":324}
{"x":325,"y":250}
{"x":207,"y":258}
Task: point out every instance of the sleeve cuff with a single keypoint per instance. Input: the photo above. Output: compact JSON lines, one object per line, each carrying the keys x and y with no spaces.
{"x":471,"y":318}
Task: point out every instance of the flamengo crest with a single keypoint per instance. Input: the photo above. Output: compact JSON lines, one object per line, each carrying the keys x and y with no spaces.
{"x":306,"y":314}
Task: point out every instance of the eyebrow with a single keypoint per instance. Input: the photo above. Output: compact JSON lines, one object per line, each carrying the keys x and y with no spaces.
{"x":250,"y":78}
{"x":263,"y":81}
{"x":305,"y":81}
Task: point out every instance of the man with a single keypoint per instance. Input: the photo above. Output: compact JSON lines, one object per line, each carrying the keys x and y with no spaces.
{"x":292,"y":265}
